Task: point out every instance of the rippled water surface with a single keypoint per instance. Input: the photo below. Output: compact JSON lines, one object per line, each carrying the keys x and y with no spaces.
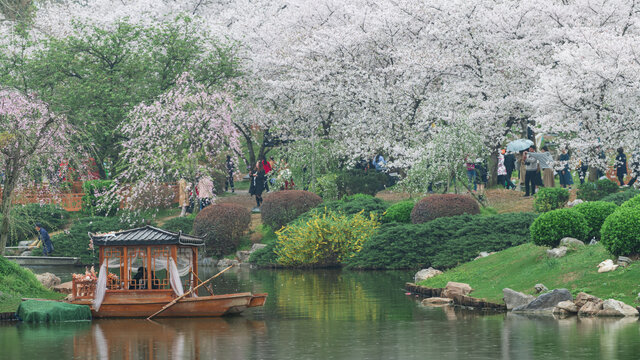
{"x":328,"y":314}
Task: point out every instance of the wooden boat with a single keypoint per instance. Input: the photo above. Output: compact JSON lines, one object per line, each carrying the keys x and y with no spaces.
{"x":155,"y":256}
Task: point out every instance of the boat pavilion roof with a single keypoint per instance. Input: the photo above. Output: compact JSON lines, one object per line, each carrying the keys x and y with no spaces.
{"x":143,"y":236}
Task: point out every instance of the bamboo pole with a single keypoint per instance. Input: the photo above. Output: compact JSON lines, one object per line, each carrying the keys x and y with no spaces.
{"x":206,"y":287}
{"x":187,"y":293}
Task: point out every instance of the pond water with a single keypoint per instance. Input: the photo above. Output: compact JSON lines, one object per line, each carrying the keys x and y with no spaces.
{"x":327,"y":314}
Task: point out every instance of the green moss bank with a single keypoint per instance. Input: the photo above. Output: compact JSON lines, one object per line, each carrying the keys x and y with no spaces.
{"x":17,"y":282}
{"x":521,"y":267}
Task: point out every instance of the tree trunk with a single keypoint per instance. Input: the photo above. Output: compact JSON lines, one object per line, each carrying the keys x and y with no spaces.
{"x":7,"y":194}
{"x":593,"y":174}
{"x":492,"y":168}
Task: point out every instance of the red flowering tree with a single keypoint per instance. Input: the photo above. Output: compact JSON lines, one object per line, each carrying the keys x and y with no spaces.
{"x":31,"y":138}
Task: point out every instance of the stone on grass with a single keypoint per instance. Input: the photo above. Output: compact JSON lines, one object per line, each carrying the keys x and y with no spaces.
{"x":568,"y":306}
{"x":624,"y":261}
{"x":540,"y":288}
{"x":513,"y":298}
{"x":455,"y":288}
{"x":591,"y":308}
{"x":425,"y":274}
{"x":574,"y":202}
{"x":243,"y":255}
{"x":582,"y":298}
{"x":593,"y":241}
{"x":64,"y":288}
{"x":48,"y":280}
{"x":611,"y":307}
{"x":26,"y":253}
{"x":437,"y":301}
{"x":569,"y":241}
{"x":547,"y":301}
{"x":255,"y":247}
{"x":484,"y":254}
{"x":607,"y":266}
{"x":557,"y":252}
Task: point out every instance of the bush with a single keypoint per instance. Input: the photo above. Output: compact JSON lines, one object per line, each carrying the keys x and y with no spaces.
{"x":361,"y":182}
{"x":441,"y":243}
{"x":595,"y":212}
{"x":184,"y":224}
{"x":24,"y":218}
{"x":94,"y":202}
{"x":399,"y":212}
{"x":594,"y":191}
{"x":443,"y":205}
{"x":281,"y":207}
{"x":75,"y":241}
{"x":620,"y":197}
{"x":550,"y":227}
{"x":620,"y":232}
{"x":326,"y":187}
{"x":633,"y":202}
{"x":548,"y":199}
{"x":265,"y":257}
{"x":222,"y":226}
{"x":325,"y":239}
{"x":354,"y":204}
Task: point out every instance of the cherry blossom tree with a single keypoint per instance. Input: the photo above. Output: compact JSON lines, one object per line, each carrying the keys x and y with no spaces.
{"x":31,"y":138}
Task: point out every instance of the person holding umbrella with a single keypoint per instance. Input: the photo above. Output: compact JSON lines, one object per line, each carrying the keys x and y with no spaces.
{"x":531,"y":167}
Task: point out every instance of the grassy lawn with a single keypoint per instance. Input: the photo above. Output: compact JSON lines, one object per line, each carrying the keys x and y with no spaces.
{"x":16,"y":283}
{"x":521,"y":267}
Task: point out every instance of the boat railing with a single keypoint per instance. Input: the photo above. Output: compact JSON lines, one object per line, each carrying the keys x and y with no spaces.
{"x":84,"y":289}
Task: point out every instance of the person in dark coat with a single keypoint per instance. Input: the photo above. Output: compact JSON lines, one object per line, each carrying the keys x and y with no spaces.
{"x":230,"y":170}
{"x":510,"y":166}
{"x":47,"y":245}
{"x":564,"y":173}
{"x":621,"y":165}
{"x":259,"y":183}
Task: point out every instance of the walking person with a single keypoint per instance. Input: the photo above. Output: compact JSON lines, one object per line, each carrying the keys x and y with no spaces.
{"x":230,"y":170}
{"x":481,"y":177}
{"x":621,"y":165}
{"x":183,"y":196}
{"x":546,"y":164}
{"x":531,"y":169}
{"x":204,"y":190}
{"x":259,"y":183}
{"x":566,"y":180}
{"x":510,"y":166}
{"x":583,"y":170}
{"x":635,"y":168}
{"x":471,"y":175}
{"x":47,"y":245}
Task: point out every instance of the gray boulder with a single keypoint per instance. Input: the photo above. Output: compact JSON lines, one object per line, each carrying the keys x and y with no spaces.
{"x":624,"y":261}
{"x":540,"y":288}
{"x":243,"y":255}
{"x":255,"y":247}
{"x":426,"y":274}
{"x":593,"y":241}
{"x":48,"y":280}
{"x":567,"y":306}
{"x":227,"y":262}
{"x":613,"y":307}
{"x":455,"y":288}
{"x":569,"y":241}
{"x":437,"y":301}
{"x":591,"y":308}
{"x":557,"y":252}
{"x":513,"y":298}
{"x":546,"y":301}
{"x":26,"y":253}
{"x":583,"y":298}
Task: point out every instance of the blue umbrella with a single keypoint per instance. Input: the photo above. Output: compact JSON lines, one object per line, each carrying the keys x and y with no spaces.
{"x":519,"y":145}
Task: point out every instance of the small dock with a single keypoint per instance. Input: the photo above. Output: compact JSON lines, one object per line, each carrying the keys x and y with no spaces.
{"x":43,"y":260}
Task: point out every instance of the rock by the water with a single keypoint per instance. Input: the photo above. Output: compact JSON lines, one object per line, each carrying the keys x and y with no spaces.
{"x":64,"y":288}
{"x":227,"y":262}
{"x":255,"y":247}
{"x":613,"y":307}
{"x":48,"y":280}
{"x":426,"y":274}
{"x":582,"y":298}
{"x":455,"y":288}
{"x":513,"y":298}
{"x":208,"y":262}
{"x":568,"y":306}
{"x":569,"y":241}
{"x":607,"y":266}
{"x":557,"y":252}
{"x":437,"y":301}
{"x":540,"y":288}
{"x":547,"y":301}
{"x":590,"y":308}
{"x":243,"y":255}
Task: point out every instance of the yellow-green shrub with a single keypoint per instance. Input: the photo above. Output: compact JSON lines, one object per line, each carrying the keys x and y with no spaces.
{"x":324,"y":239}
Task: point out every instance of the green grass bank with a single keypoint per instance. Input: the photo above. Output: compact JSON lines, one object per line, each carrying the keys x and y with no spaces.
{"x":521,"y":267}
{"x":16,"y":283}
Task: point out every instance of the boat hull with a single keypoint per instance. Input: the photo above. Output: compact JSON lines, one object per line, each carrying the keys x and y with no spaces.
{"x":127,"y":305}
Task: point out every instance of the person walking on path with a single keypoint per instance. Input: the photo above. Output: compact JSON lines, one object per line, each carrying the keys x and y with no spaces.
{"x":546,"y":164}
{"x":482,"y":177}
{"x":183,"y":196}
{"x":204,"y":191}
{"x":471,"y":175}
{"x":47,"y":245}
{"x":564,"y":173}
{"x":635,"y":168}
{"x":230,"y":169}
{"x":259,"y":182}
{"x":531,"y":168}
{"x":510,"y":166}
{"x":621,"y":165}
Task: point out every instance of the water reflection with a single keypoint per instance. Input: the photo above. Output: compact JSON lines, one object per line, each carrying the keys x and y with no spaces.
{"x":328,"y":315}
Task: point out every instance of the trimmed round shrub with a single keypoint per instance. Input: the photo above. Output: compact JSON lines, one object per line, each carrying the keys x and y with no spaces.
{"x":550,"y":227}
{"x":620,"y":233}
{"x":184,"y":224}
{"x":621,"y":197}
{"x":595,"y":212}
{"x":281,"y":207}
{"x":594,"y":191}
{"x":222,"y":226}
{"x":633,"y":202}
{"x":442,"y":205}
{"x":548,"y":199}
{"x":399,"y":212}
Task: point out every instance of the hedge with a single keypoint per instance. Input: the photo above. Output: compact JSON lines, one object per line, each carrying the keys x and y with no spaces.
{"x":441,"y":243}
{"x":443,"y":205}
{"x":595,"y":212}
{"x":281,"y":207}
{"x":633,"y":202}
{"x":620,"y":233}
{"x":550,"y":227}
{"x":547,"y":199}
{"x":184,"y":224}
{"x":222,"y":226}
{"x":399,"y":212}
{"x":594,"y":191}
{"x":356,"y":203}
{"x":621,"y":197}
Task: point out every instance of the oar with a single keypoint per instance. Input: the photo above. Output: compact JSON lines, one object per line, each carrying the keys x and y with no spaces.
{"x":206,"y":287}
{"x":187,"y":293}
